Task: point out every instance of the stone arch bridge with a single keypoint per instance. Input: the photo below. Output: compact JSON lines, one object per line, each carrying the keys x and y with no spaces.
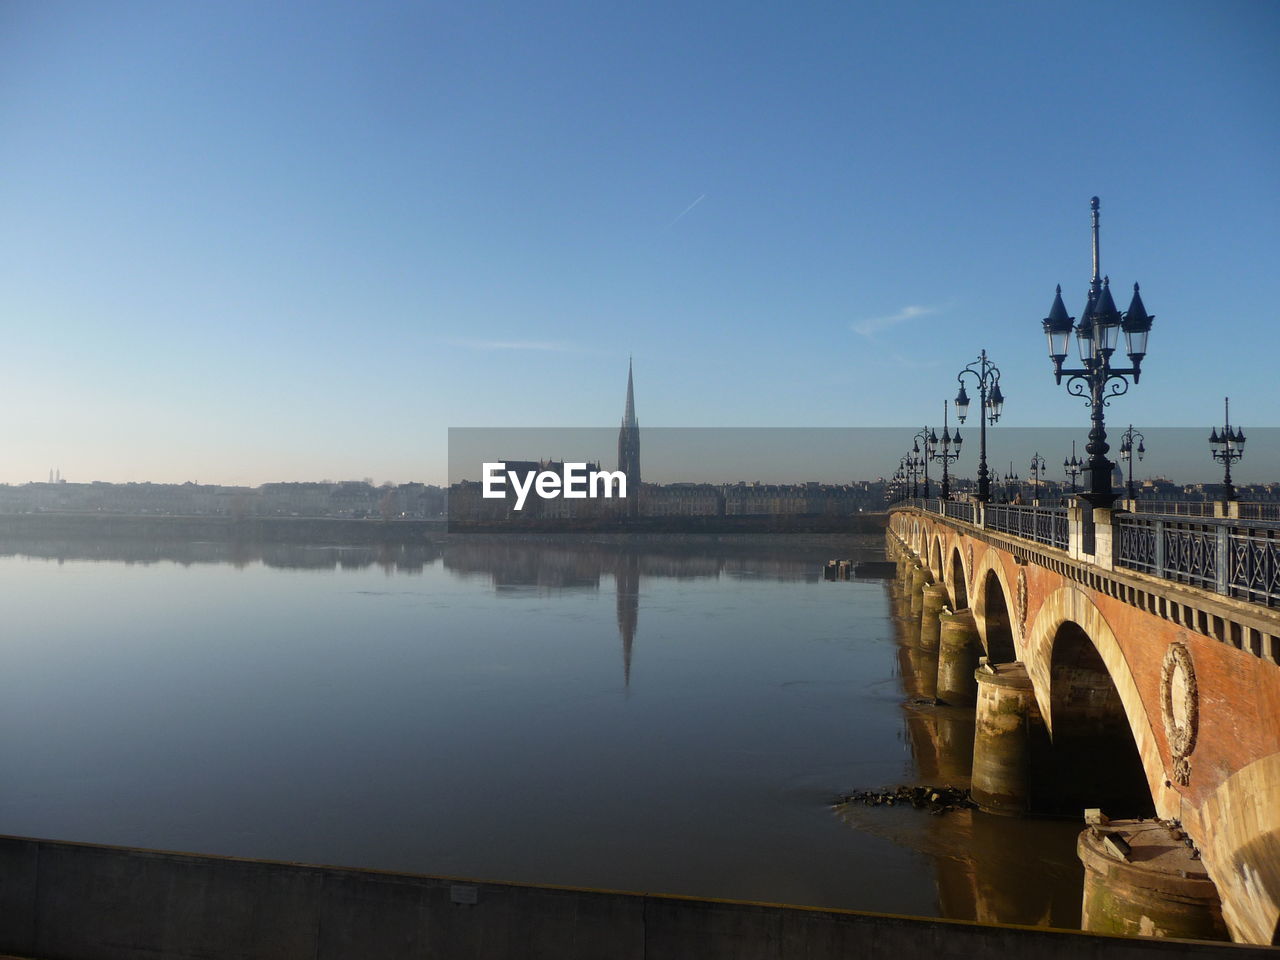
{"x":1149,"y":649}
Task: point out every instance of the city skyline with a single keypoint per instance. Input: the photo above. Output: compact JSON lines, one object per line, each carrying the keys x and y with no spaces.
{"x":782,"y":455}
{"x":241,"y":252}
{"x":812,"y":455}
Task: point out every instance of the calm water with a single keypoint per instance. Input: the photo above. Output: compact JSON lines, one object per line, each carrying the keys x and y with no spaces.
{"x":667,"y":719}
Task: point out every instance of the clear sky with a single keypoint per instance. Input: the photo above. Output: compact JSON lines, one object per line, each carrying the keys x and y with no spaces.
{"x":252,"y":241}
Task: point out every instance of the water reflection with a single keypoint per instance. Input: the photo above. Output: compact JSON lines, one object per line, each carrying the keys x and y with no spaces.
{"x":626,"y":577}
{"x":553,"y":562}
{"x":509,"y":563}
{"x":988,"y":868}
{"x":391,"y":557}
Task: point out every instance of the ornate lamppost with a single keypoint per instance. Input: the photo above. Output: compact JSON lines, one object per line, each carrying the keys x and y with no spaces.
{"x":1037,"y":468}
{"x":1073,"y":467}
{"x":928,"y":438}
{"x":943,"y":452}
{"x":1127,"y":452}
{"x":990,"y":401}
{"x":910,"y":467}
{"x":1097,"y":380}
{"x":1227,"y":448}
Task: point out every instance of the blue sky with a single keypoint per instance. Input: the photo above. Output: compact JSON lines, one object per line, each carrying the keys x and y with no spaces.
{"x":251,"y":241}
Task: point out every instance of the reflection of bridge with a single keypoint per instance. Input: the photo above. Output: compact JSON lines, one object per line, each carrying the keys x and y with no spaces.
{"x":1139,"y":655}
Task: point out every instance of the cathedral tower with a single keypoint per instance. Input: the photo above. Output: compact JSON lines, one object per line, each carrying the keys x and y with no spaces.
{"x":629,"y":449}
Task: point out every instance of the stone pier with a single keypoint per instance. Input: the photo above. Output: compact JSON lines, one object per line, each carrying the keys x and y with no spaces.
{"x":919,"y":577}
{"x":1008,"y":729}
{"x":958,"y":651}
{"x":933,"y":598}
{"x":1142,"y":879}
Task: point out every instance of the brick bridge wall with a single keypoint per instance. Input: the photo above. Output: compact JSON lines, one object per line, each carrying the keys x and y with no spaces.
{"x":1224,"y":786}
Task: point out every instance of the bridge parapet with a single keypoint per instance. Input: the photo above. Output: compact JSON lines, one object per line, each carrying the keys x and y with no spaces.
{"x":1222,"y":554}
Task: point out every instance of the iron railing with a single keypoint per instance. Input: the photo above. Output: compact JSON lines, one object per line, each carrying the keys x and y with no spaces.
{"x":1205,"y":508}
{"x":1218,"y":555}
{"x":1254,"y":565}
{"x":1179,"y":550}
{"x":1047,"y":525}
{"x":954,"y":509}
{"x":1259,"y":511}
{"x":1175,"y":508}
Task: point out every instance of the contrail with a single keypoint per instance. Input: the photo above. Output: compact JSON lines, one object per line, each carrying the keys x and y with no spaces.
{"x":701,"y":197}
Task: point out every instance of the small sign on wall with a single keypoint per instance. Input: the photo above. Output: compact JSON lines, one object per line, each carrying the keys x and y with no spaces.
{"x":463,"y":894}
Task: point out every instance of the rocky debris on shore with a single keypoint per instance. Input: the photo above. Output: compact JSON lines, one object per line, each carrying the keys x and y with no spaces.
{"x":922,"y":701}
{"x":937,"y":800}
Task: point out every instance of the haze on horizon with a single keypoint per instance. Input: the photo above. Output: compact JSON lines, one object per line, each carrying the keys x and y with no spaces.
{"x":258,"y":242}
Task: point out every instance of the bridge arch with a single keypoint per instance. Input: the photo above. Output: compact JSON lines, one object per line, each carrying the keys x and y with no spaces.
{"x":1095,"y":755}
{"x":992,"y":605}
{"x":935,"y":557}
{"x":957,"y":579}
{"x":1072,"y":645}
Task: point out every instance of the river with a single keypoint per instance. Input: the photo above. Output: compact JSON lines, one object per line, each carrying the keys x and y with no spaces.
{"x":671,"y":716}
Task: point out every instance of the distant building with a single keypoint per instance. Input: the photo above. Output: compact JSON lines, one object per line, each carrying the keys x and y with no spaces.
{"x":350,"y":499}
{"x":467,"y":501}
{"x":682,"y":500}
{"x":800,"y":499}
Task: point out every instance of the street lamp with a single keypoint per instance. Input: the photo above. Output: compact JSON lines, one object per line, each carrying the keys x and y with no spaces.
{"x":910,"y":468}
{"x":944,"y":453}
{"x":1227,"y":448}
{"x":990,"y":402}
{"x":1127,"y":451}
{"x":1096,"y":380}
{"x":1073,"y":467}
{"x":1037,"y":468}
{"x":928,"y":438}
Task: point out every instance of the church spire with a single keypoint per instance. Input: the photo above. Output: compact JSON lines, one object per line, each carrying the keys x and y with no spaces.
{"x":629,"y":416}
{"x":629,"y":447}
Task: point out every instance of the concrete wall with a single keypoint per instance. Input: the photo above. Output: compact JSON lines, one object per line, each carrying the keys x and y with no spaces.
{"x":67,"y":901}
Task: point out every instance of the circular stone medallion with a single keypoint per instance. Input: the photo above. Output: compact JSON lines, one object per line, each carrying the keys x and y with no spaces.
{"x":1022,"y":599}
{"x":1180,"y":706}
